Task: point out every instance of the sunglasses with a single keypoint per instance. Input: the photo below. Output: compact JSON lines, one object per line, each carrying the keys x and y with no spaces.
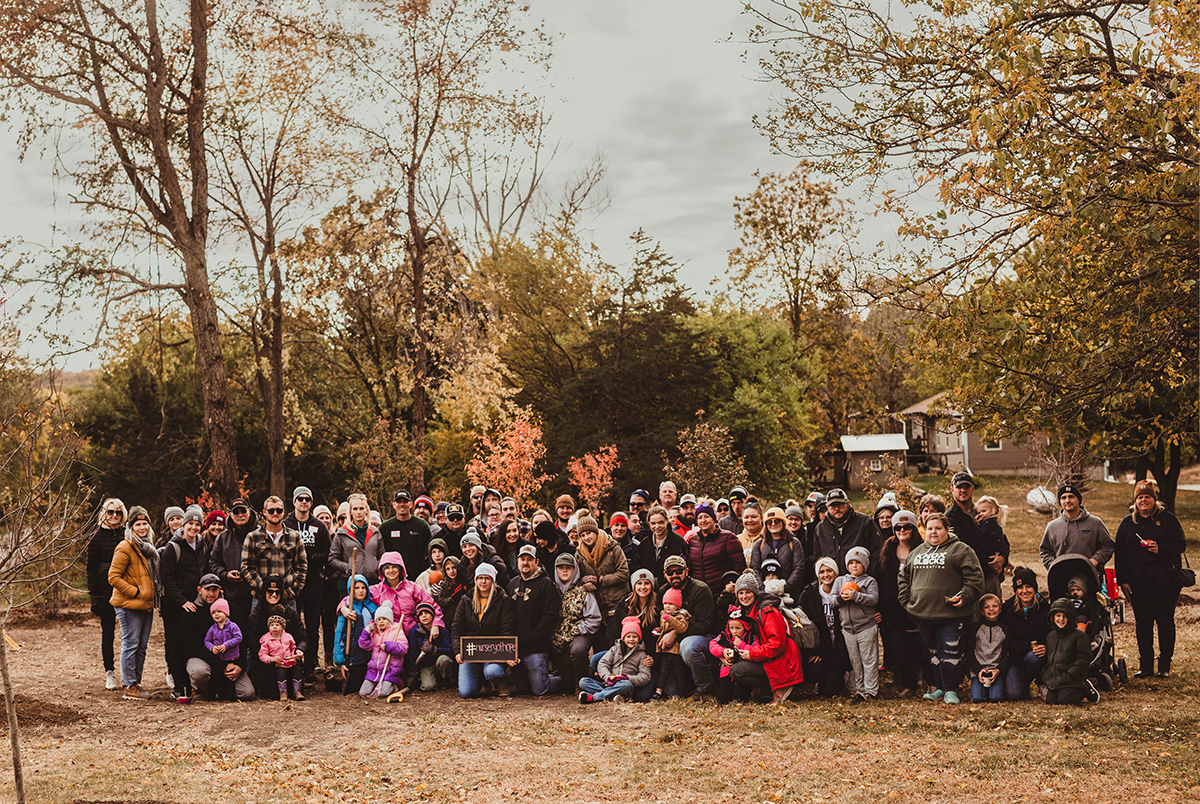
{"x":112,"y":512}
{"x":905,"y":527}
{"x":674,"y":571}
{"x":304,"y":499}
{"x":633,"y":504}
{"x":241,"y":510}
{"x":455,"y":517}
{"x":272,"y":510}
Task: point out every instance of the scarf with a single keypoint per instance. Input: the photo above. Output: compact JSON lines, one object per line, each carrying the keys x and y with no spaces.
{"x":594,"y":555}
{"x":150,"y":555}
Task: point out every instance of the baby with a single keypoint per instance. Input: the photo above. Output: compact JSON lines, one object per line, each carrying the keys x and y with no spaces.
{"x":675,"y":620}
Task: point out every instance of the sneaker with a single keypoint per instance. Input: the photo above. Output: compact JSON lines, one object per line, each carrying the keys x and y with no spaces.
{"x":780,"y":696}
{"x":584,"y":698}
{"x":936,"y":695}
{"x":183,"y":697}
{"x":135,"y":693}
{"x":657,"y":696}
{"x":864,"y":697}
{"x":618,"y":699}
{"x":110,"y":681}
{"x":950,"y":697}
{"x":1163,"y":674}
{"x":1144,"y":672}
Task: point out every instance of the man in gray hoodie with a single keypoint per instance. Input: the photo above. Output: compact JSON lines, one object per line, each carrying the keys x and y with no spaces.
{"x":1076,"y":531}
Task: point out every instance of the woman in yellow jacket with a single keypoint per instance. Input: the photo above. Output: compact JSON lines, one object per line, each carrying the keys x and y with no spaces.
{"x":133,"y":576}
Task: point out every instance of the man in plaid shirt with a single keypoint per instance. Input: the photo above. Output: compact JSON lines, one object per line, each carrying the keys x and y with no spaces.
{"x":274,"y":550}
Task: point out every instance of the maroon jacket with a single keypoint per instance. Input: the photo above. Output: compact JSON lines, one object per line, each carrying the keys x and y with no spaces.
{"x":710,"y":557}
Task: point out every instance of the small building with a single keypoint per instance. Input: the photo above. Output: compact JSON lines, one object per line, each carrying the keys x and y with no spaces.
{"x":939,"y":443}
{"x":871,"y":459}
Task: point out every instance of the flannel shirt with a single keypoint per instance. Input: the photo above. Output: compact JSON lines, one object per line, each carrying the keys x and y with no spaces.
{"x":261,"y":558}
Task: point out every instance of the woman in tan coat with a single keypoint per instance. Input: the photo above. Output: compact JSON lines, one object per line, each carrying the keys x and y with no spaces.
{"x":604,"y":571}
{"x":133,"y":576}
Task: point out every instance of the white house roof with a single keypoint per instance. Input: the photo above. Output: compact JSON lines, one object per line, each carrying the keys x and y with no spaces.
{"x":881,"y":442}
{"x":925,"y":405}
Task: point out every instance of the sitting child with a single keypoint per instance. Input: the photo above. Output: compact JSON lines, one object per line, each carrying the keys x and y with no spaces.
{"x":350,"y":659}
{"x":1068,"y":656}
{"x":385,"y":670}
{"x":739,"y":634}
{"x":429,"y":662}
{"x":278,"y":647}
{"x":622,"y":670}
{"x":1087,"y":607}
{"x":224,"y":641}
{"x":988,"y":658}
{"x":675,"y":621}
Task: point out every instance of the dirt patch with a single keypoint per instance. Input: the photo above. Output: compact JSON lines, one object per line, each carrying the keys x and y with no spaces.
{"x":34,"y":618}
{"x":121,"y":801}
{"x":34,"y":712}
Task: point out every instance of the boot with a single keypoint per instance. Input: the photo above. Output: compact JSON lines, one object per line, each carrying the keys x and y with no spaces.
{"x":1164,"y":667}
{"x":296,"y":694}
{"x":283,"y":690}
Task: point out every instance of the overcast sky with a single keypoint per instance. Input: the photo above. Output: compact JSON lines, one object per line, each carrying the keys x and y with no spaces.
{"x":654,"y":85}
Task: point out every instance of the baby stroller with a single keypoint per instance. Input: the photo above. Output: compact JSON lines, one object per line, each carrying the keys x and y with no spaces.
{"x":1106,"y":669}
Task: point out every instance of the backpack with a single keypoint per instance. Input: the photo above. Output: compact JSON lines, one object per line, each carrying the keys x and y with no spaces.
{"x":804,"y":633}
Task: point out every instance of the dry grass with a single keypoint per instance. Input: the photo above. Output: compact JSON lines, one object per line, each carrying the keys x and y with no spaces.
{"x":1138,"y":743}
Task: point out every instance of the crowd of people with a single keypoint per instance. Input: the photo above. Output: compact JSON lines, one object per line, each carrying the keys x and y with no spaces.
{"x":677,"y":596}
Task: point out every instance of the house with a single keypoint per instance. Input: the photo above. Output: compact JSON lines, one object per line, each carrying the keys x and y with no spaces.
{"x":866,"y":459}
{"x":939,"y":443}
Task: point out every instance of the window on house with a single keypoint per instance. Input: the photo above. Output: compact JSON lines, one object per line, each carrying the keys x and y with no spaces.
{"x":992,"y":446}
{"x":876,"y":465}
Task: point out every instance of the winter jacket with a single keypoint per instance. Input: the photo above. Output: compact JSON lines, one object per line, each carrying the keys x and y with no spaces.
{"x":886,"y":567}
{"x":387,"y":654}
{"x":964,"y":526}
{"x":652,"y":558}
{"x":226,"y":557}
{"x":316,"y":539}
{"x":1068,"y":654}
{"x":1025,"y":628}
{"x":725,"y":641}
{"x":832,"y":640}
{"x":229,"y":635}
{"x":931,"y":574}
{"x":989,"y":632}
{"x":423,"y":651}
{"x":789,"y":554}
{"x":858,"y":530}
{"x":632,"y":548}
{"x":194,"y":628}
{"x":180,"y":569}
{"x":272,"y":648}
{"x":622,"y":660}
{"x":709,"y":556}
{"x":498,"y":620}
{"x":698,"y":600}
{"x":858,"y":613}
{"x":447,"y":593}
{"x":1086,"y":535}
{"x":580,"y":613}
{"x":410,"y":538}
{"x":676,"y":623}
{"x":365,"y":612}
{"x":262,"y":557}
{"x":775,"y":649}
{"x":131,"y":578}
{"x":257,"y":626}
{"x":100,"y":550}
{"x":1135,"y":564}
{"x":612,"y":575}
{"x":405,"y":596}
{"x":341,"y":550}
{"x":537,"y":604}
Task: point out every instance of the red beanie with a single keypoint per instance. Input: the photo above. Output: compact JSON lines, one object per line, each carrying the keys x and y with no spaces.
{"x":618,"y":517}
{"x":631,"y":625}
{"x":673,"y":596}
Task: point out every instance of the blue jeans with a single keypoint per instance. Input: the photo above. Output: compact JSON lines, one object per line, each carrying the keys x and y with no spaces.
{"x":1016,"y":680}
{"x":694,"y":650}
{"x":943,"y":640}
{"x":639,"y":694}
{"x":599,"y":692}
{"x":532,"y":675}
{"x":135,"y":636}
{"x":472,"y":674}
{"x":982,"y":694}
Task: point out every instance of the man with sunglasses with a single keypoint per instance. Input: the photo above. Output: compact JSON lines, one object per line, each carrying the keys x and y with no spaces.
{"x":315,"y":537}
{"x":274,"y":549}
{"x":225,"y":561}
{"x":693,"y":645}
{"x":456,"y":528}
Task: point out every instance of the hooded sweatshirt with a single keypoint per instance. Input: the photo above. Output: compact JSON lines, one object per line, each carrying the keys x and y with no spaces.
{"x":931,"y":574}
{"x":580,"y":611}
{"x":1086,"y":535}
{"x":404,"y":596}
{"x":537,"y":606}
{"x":858,"y":613}
{"x":365,"y":611}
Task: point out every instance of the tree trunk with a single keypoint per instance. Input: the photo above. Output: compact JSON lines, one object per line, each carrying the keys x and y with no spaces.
{"x":1168,"y":479}
{"x":419,"y":253}
{"x":10,"y":703}
{"x":273,"y":392}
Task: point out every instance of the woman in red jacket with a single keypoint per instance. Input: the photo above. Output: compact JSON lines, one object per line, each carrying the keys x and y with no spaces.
{"x":775,"y":660}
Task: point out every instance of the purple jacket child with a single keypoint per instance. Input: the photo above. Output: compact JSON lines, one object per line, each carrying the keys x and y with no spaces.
{"x":228,"y":635}
{"x":388,"y":646}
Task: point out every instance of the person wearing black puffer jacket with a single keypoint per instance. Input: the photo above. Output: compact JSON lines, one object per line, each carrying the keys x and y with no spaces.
{"x":1027,"y":615}
{"x":225,"y":561}
{"x":843,"y":529}
{"x":109,"y":533}
{"x":263,"y":675}
{"x":184,"y":561}
{"x":1068,"y":655}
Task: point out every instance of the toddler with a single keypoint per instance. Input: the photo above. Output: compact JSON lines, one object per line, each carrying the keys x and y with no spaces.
{"x":224,"y":641}
{"x":676,"y":620}
{"x":385,"y":639}
{"x":988,"y":659}
{"x":739,"y":634}
{"x":429,"y":661}
{"x":856,"y":594}
{"x":623,"y":668}
{"x":1087,"y":607}
{"x":277,"y":647}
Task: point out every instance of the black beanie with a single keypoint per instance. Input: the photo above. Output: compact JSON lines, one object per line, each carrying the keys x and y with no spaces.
{"x":1024,"y":575}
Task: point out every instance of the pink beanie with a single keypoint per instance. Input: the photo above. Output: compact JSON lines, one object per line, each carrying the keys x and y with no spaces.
{"x":631,"y":625}
{"x":220,"y":604}
{"x":673,"y":596}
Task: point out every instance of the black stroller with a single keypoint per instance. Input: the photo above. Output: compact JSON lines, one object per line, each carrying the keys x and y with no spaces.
{"x":1106,"y":669}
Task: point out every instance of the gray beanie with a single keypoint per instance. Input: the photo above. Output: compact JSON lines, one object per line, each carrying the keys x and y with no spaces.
{"x":859,"y":554}
{"x":746,"y":581}
{"x":794,"y":510}
{"x":172,"y":510}
{"x":565,"y":560}
{"x":301,"y":490}
{"x":471,"y":537}
{"x":194,"y":513}
{"x":641,"y":575}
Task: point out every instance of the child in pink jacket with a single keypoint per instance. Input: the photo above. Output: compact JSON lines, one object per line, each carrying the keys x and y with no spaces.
{"x":277,"y":647}
{"x":739,"y":634}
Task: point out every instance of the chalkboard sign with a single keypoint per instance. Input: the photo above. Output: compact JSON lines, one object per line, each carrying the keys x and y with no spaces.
{"x":489,"y":649}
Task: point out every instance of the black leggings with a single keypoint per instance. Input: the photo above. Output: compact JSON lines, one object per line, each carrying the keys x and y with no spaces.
{"x":108,"y":634}
{"x":1155,"y":605}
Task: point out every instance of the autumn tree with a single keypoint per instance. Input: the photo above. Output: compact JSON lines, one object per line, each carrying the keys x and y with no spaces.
{"x":1061,"y":143}
{"x":592,"y":475}
{"x":510,"y":461}
{"x":708,"y":463}
{"x":128,"y":84}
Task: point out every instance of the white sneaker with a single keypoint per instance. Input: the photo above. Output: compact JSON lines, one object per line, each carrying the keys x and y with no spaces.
{"x":110,"y":681}
{"x":170,"y":681}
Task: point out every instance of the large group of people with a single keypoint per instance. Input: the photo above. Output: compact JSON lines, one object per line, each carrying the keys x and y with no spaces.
{"x":677,"y":596}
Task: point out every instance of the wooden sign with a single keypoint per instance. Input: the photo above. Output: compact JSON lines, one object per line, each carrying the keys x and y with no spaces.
{"x":489,"y":649}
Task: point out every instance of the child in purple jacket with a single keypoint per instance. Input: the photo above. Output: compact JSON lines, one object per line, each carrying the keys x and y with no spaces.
{"x":224,"y":641}
{"x":385,"y":670}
